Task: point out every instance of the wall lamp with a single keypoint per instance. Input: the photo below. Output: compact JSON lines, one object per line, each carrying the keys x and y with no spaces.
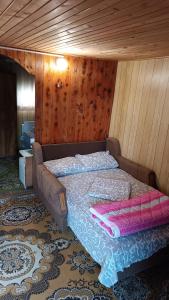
{"x":61,"y":64}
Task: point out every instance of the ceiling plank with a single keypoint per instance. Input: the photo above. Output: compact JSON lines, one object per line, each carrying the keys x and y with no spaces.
{"x":116,"y":29}
{"x":11,"y":10}
{"x":25,"y":12}
{"x":50,"y":24}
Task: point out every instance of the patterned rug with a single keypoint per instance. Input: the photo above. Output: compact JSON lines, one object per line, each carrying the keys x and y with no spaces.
{"x":37,"y":262}
{"x":9,"y":176}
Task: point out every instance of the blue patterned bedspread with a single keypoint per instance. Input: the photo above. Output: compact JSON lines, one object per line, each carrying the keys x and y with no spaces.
{"x":113,"y":255}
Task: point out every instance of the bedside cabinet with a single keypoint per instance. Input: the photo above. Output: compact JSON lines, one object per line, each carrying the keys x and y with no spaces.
{"x":25,"y":167}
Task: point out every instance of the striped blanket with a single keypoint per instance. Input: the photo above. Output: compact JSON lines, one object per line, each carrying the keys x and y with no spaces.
{"x":124,"y":217}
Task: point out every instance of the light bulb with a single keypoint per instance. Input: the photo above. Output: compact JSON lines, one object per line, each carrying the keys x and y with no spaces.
{"x":61,"y":64}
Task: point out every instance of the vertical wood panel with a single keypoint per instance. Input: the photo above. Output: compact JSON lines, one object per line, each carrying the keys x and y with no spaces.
{"x":140,"y":114}
{"x":78,"y":111}
{"x":39,"y":78}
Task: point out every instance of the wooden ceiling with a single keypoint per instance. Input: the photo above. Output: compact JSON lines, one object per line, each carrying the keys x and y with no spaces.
{"x":125,"y":29}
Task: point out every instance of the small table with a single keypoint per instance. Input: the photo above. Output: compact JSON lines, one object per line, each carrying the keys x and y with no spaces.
{"x":25,"y":167}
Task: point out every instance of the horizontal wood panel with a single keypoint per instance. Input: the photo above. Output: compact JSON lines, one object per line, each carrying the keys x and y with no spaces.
{"x":80,"y":109}
{"x":140,"y":114}
{"x":112,"y":29}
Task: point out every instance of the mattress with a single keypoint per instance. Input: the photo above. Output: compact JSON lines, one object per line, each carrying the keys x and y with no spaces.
{"x":113,"y":255}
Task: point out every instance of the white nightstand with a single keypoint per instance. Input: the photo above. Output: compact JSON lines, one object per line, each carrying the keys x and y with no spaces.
{"x":25,"y":167}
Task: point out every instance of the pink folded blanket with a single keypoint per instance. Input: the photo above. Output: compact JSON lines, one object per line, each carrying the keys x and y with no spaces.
{"x":124,"y":217}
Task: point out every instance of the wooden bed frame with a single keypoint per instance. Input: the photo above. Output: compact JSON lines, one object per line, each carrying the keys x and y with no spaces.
{"x":53,"y":193}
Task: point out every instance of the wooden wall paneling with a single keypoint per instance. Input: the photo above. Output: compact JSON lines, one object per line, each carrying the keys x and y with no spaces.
{"x":141,"y":101}
{"x":39,"y":79}
{"x":19,"y":57}
{"x":92,"y":92}
{"x":67,"y":104}
{"x":82,"y":108}
{"x":76,"y":107}
{"x":160,"y":153}
{"x":52,"y":85}
{"x":158,"y":109}
{"x":133,"y":105}
{"x":78,"y":111}
{"x":104,"y":93}
{"x":73,"y":95}
{"x":55,"y":113}
{"x":114,"y":122}
{"x":148,"y":112}
{"x":126,"y":105}
{"x":137,"y":107}
{"x":47,"y":100}
{"x":139,"y":130}
{"x":63,"y":79}
{"x":77,"y":104}
{"x":95,"y":96}
{"x":58,"y":119}
{"x":97,"y":101}
{"x":122,"y":88}
{"x":157,"y":131}
{"x":30,"y":62}
{"x":164,"y":171}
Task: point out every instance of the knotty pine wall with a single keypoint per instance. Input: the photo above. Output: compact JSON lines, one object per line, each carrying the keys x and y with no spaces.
{"x":140,"y":115}
{"x":81,"y":109}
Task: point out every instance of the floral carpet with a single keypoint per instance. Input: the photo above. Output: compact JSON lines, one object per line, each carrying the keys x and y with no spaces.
{"x":37,"y":262}
{"x":9,"y":176}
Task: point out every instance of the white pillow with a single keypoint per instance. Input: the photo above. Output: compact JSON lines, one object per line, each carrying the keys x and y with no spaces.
{"x":64,"y":166}
{"x":107,"y":188}
{"x":97,"y":161}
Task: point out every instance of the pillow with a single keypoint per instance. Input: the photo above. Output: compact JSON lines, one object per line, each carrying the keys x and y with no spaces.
{"x":107,"y":188}
{"x":97,"y":161}
{"x":64,"y":166}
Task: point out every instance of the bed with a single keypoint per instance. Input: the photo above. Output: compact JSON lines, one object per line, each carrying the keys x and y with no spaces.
{"x":67,"y":199}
